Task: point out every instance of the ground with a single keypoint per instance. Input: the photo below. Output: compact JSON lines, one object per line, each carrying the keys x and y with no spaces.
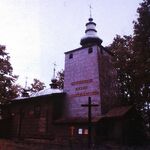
{"x":45,"y":145}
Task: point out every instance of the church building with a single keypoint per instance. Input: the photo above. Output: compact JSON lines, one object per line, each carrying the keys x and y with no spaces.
{"x":87,"y":105}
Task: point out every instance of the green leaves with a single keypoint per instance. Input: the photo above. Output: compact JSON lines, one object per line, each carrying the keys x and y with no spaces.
{"x":60,"y":79}
{"x":37,"y":85}
{"x":132,"y":60}
{"x":7,"y":79}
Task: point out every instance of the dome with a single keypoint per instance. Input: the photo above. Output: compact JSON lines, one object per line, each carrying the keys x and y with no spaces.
{"x":90,"y":34}
{"x":53,"y":80}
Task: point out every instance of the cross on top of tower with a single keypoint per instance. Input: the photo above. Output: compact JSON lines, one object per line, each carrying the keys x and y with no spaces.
{"x":90,"y":7}
{"x":90,"y":37}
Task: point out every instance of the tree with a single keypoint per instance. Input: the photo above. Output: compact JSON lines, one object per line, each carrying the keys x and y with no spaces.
{"x":17,"y":90}
{"x":7,"y":78}
{"x":132,"y":61}
{"x":141,"y":47}
{"x":37,"y":85}
{"x":60,"y":79}
{"x":123,"y":54}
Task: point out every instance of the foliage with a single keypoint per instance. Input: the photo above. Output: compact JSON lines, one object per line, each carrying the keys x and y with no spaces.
{"x":123,"y":54}
{"x":141,"y":48}
{"x":60,"y":79}
{"x":132,"y":61}
{"x":17,"y":89}
{"x":7,"y":79}
{"x":37,"y":85}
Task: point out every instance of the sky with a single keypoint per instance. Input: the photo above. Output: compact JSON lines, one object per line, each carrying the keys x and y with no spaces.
{"x":36,"y":33}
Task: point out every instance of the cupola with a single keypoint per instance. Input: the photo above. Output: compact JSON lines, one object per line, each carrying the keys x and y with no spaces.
{"x":53,"y":84}
{"x":90,"y":37}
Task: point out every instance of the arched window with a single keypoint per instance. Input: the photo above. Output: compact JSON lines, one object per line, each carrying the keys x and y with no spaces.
{"x":90,"y":50}
{"x":70,"y":56}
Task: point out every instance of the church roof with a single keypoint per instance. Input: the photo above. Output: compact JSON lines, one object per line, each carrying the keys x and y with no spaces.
{"x":43,"y":92}
{"x":46,"y":92}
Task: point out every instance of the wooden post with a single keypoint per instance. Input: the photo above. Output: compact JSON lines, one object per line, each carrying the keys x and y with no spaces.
{"x":89,"y":105}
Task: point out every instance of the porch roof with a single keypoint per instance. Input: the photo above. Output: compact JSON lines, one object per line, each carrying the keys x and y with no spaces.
{"x":118,"y":111}
{"x":76,"y":120}
{"x":113,"y":113}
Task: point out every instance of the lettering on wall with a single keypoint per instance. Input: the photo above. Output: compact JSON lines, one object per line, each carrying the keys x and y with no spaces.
{"x":81,"y":82}
{"x":84,"y":94}
{"x":83,"y":88}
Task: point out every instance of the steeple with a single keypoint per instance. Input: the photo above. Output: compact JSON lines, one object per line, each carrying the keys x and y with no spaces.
{"x":90,"y":37}
{"x":54,"y":80}
{"x":25,"y":91}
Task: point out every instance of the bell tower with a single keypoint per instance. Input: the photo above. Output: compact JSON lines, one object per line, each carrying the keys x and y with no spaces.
{"x":85,"y":75}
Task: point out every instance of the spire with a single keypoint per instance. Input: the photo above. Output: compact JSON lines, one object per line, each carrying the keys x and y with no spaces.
{"x":54,"y":70}
{"x":53,"y":85}
{"x":26,"y":82}
{"x":90,"y":33}
{"x":25,"y":91}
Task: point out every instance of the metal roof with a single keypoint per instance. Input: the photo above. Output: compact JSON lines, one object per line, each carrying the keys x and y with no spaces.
{"x":43,"y":92}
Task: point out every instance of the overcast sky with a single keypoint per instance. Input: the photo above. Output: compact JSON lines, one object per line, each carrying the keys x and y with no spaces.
{"x":38,"y":32}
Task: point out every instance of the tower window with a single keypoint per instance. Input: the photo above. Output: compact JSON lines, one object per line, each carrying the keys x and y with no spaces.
{"x":90,"y":50}
{"x":101,"y":51}
{"x":70,"y":56}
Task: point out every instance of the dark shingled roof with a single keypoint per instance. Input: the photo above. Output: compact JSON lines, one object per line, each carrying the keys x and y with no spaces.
{"x":113,"y":113}
{"x":76,"y":120}
{"x":118,"y":111}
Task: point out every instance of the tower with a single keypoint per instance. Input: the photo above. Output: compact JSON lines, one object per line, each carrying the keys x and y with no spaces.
{"x":88,"y":74}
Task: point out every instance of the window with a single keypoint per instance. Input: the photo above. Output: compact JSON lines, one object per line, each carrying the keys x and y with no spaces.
{"x":37,"y":110}
{"x":80,"y":131}
{"x":101,"y":51}
{"x":90,"y":50}
{"x":86,"y":131}
{"x":12,"y":114}
{"x":22,"y":112}
{"x":72,"y":129}
{"x":70,"y":56}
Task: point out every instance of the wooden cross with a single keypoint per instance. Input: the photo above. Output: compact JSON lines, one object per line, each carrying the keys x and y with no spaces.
{"x":89,"y":105}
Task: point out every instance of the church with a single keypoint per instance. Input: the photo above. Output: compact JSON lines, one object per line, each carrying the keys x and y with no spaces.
{"x":86,"y":110}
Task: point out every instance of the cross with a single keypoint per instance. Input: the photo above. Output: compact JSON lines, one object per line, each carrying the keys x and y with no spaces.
{"x":89,"y":105}
{"x":90,"y":11}
{"x":54,"y":69}
{"x":26,"y":82}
